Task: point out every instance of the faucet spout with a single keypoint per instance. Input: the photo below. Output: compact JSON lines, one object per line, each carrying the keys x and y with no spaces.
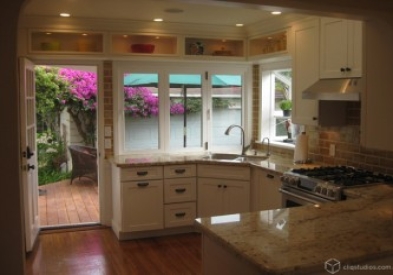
{"x":268,"y":145}
{"x":244,"y":148}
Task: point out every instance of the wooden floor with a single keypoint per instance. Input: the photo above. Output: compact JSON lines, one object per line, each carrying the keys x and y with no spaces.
{"x":62,"y":203}
{"x":98,"y":252}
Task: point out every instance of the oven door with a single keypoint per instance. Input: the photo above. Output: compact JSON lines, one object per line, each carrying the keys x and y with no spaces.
{"x":293,"y":198}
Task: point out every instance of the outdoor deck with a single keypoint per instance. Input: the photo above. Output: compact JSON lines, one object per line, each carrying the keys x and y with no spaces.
{"x":62,"y":203}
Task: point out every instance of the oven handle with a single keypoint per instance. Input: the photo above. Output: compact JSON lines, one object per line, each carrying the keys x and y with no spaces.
{"x":297,"y":196}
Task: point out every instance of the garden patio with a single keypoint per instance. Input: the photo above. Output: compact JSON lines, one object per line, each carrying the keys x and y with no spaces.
{"x":64,"y":204}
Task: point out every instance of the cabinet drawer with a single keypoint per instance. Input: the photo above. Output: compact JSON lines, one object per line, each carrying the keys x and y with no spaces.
{"x":180,"y":214}
{"x":141,"y":173}
{"x":179,"y":190}
{"x":179,"y":171}
{"x":224,"y":172}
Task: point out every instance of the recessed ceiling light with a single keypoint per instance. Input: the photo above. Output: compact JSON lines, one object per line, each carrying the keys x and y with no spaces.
{"x":158,"y":20}
{"x":239,"y":25}
{"x":64,"y":14}
{"x":276,"y":12}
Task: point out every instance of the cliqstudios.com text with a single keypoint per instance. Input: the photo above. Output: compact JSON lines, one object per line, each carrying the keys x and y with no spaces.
{"x":367,"y":267}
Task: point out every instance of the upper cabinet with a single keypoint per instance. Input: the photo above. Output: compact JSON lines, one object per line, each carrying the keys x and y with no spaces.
{"x":138,"y":44}
{"x":268,"y":44}
{"x":194,"y":46}
{"x":305,"y":70}
{"x":66,"y":42}
{"x":341,"y":48}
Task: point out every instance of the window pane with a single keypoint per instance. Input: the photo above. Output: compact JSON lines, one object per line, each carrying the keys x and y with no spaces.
{"x":227,"y":109}
{"x":140,"y":112}
{"x":185,"y":110}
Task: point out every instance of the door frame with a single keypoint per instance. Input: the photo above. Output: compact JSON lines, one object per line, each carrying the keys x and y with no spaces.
{"x":104,"y":194}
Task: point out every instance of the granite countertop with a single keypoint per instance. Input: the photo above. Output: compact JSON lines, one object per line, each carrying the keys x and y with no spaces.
{"x":299,"y":240}
{"x":274,"y":163}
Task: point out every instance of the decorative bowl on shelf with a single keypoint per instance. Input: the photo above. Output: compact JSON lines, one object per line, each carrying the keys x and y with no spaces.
{"x":142,"y":48}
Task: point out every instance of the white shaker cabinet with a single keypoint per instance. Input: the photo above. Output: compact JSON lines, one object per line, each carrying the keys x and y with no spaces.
{"x":223,"y":189}
{"x":137,"y":199}
{"x":265,"y":190}
{"x":305,"y":37}
{"x":341,"y":48}
{"x":179,"y":195}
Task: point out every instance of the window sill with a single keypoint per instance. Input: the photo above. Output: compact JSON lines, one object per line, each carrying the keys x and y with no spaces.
{"x":280,"y":144}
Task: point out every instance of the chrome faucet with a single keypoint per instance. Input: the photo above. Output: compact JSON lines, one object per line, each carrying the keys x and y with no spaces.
{"x":268,"y":145}
{"x":245,"y":148}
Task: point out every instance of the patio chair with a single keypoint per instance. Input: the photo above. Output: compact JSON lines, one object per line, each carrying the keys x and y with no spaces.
{"x":84,"y":162}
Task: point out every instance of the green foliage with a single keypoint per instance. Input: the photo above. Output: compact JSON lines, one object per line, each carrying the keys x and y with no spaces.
{"x":285,"y":104}
{"x":48,"y":87}
{"x":51,"y":155}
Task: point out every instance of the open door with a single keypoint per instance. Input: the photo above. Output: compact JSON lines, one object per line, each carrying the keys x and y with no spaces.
{"x":29,"y":169}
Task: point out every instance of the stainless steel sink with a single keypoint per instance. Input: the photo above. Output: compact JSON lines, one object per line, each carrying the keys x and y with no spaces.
{"x":251,"y":158}
{"x":235,"y":157}
{"x":221,"y":156}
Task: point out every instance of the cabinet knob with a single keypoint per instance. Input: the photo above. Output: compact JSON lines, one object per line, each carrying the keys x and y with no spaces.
{"x":219,"y":186}
{"x":225,"y":186}
{"x":347,"y":69}
{"x":314,"y":118}
{"x":342,"y":69}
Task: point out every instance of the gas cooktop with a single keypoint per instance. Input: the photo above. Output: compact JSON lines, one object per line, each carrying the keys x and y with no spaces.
{"x":329,"y":181}
{"x":343,"y":175}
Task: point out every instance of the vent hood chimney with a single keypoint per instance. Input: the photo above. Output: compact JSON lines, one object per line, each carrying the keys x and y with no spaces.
{"x":346,"y":89}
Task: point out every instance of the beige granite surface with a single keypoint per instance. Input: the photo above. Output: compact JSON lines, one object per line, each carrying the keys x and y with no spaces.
{"x":299,"y":240}
{"x":275,"y":163}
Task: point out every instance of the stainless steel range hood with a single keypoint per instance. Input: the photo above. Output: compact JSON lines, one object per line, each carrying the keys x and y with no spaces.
{"x":348,"y":89}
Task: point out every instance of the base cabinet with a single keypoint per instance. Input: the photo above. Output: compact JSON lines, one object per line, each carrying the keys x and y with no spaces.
{"x":179,"y":195}
{"x":142,"y":205}
{"x":223,"y":190}
{"x":265,"y":190}
{"x":137,"y":199}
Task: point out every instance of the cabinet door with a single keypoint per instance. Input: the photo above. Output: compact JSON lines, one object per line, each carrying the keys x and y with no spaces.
{"x":222,"y":196}
{"x":210,"y":197}
{"x":305,"y":70}
{"x":341,"y":48}
{"x":267,"y":191}
{"x":236,"y":197}
{"x":143,"y":205}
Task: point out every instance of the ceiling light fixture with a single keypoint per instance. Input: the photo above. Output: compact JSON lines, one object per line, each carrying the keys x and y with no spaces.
{"x":64,"y":14}
{"x":276,"y":12}
{"x":158,"y":20}
{"x":239,"y":25}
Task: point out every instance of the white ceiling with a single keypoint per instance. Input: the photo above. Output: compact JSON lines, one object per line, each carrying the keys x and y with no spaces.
{"x":194,"y":12}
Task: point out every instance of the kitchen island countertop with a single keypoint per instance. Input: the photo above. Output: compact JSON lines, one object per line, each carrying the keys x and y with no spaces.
{"x":300,"y":240}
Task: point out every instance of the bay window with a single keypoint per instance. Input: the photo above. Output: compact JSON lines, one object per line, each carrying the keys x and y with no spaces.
{"x":166,"y":108}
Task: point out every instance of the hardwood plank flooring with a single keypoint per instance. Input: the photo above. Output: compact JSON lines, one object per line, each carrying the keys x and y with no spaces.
{"x":98,"y":252}
{"x":62,"y":203}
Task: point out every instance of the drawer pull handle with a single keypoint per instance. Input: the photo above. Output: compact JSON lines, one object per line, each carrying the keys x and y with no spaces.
{"x":142,"y":173}
{"x":142,"y":184}
{"x":180,"y":215}
{"x":180,"y":171}
{"x":180,"y":190}
{"x":270,"y":176}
